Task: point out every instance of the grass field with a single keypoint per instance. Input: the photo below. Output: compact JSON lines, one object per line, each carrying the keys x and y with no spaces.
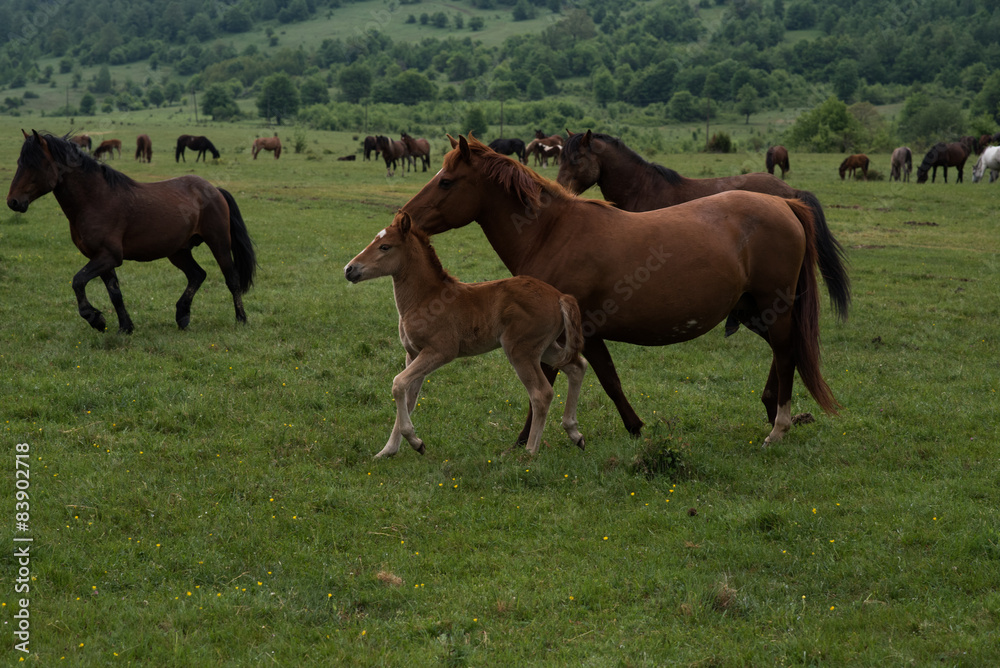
{"x":208,"y":496}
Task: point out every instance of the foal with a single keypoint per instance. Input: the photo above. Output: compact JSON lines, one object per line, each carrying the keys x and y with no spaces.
{"x":441,"y":318}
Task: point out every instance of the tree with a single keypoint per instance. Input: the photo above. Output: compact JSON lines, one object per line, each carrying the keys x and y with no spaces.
{"x":217,"y":102}
{"x":845,"y":79}
{"x":604,"y":87}
{"x":685,"y":107}
{"x":102,"y":83}
{"x":475,"y":122}
{"x":747,"y":101}
{"x":87,"y":104}
{"x":278,"y":97}
{"x":235,"y":20}
{"x":355,"y":82}
{"x":827,"y":128}
{"x":314,"y":91}
{"x":155,"y":96}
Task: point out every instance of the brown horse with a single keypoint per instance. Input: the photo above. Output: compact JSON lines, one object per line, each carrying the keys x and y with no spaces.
{"x":777,"y":156}
{"x":266,"y":144}
{"x":552,"y":144}
{"x":542,"y":153}
{"x":633,"y":184}
{"x":901,"y":164}
{"x":200,"y":144}
{"x":83,"y":141}
{"x":113,"y":218}
{"x":418,"y":148}
{"x":109,"y":146}
{"x":441,"y":318}
{"x":369,"y":145}
{"x":944,"y":155}
{"x":852,"y":164}
{"x":143,"y":148}
{"x":651,"y":278}
{"x":392,"y":150}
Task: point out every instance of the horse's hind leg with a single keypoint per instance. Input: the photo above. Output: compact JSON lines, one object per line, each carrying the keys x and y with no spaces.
{"x":223,"y":255}
{"x":539,"y":395}
{"x":574,"y":371}
{"x":184,"y":261}
{"x":782,"y":374}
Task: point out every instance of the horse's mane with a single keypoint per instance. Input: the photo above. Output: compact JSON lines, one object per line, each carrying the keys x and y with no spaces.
{"x":512,"y":176}
{"x":572,"y":146}
{"x":69,"y":154}
{"x":431,"y":254}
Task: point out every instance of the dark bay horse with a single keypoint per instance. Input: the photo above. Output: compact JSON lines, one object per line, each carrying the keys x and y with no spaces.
{"x":370,"y":145}
{"x":651,"y":278}
{"x":852,"y":164}
{"x":109,"y":146}
{"x":266,"y":144}
{"x":944,"y":155}
{"x":392,"y":151}
{"x":200,"y":144}
{"x":901,"y":164}
{"x":777,"y":156}
{"x":633,"y":184}
{"x":417,"y":148}
{"x":113,"y":218}
{"x":441,"y":318}
{"x":144,"y":148}
{"x":512,"y":146}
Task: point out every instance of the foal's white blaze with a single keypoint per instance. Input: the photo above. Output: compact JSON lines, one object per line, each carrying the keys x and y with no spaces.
{"x":381,"y":234}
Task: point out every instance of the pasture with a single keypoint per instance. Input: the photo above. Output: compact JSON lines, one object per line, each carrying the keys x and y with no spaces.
{"x":209,"y":496}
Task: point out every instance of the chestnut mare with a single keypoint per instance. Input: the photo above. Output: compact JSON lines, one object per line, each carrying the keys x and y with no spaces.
{"x":650,"y":278}
{"x":418,"y":148}
{"x":945,"y":156}
{"x":266,"y":144}
{"x":113,"y":218}
{"x":852,"y":164}
{"x":633,"y":184}
{"x":144,"y":148}
{"x":901,"y":164}
{"x":777,"y":156}
{"x":109,"y":146}
{"x":441,"y":318}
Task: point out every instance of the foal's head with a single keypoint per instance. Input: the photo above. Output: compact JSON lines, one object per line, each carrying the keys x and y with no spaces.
{"x":394,"y":250}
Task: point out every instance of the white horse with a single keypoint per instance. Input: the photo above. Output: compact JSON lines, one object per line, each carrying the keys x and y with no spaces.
{"x":990,"y":159}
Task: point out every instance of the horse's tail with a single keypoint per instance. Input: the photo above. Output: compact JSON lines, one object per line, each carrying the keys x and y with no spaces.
{"x":769,"y":161}
{"x":805,"y":312}
{"x":244,"y":256}
{"x":179,"y":151}
{"x":573,"y":327}
{"x":830,"y":257}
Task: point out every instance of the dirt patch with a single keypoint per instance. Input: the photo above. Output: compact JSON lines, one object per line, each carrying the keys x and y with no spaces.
{"x":916,"y":223}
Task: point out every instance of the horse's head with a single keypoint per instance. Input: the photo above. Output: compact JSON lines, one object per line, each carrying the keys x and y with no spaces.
{"x":385,"y":255}
{"x":37,"y":173}
{"x":579,"y":166}
{"x":454,"y":196}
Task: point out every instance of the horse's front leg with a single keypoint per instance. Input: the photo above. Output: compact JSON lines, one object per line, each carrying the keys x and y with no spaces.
{"x":110,"y":279}
{"x":91,"y":270}
{"x":597,"y":354}
{"x":405,"y":387}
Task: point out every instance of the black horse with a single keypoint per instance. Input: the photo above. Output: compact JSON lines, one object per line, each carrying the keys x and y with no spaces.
{"x":944,"y":155}
{"x":200,"y":144}
{"x":510,"y":146}
{"x":370,"y":145}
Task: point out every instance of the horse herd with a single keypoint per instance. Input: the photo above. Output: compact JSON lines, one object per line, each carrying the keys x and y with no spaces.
{"x":144,"y":147}
{"x":407,"y":150}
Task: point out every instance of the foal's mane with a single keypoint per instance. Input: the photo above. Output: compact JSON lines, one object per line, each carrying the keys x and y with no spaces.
{"x":431,"y":255}
{"x":572,"y":147}
{"x":511,"y":175}
{"x":69,"y":154}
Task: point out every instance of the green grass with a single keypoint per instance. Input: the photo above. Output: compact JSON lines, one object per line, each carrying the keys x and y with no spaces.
{"x":208,"y":496}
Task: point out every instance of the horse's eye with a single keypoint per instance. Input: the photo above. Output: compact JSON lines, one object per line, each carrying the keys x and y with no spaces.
{"x":445,"y":183}
{"x":384,"y":247}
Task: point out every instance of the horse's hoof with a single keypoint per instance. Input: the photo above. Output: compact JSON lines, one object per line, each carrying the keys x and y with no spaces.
{"x":98,"y":323}
{"x":581,"y":443}
{"x":421,"y":448}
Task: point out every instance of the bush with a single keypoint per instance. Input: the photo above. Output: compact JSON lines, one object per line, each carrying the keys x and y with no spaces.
{"x":720,"y":142}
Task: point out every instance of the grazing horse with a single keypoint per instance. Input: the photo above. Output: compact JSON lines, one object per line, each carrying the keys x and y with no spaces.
{"x":369,"y":145}
{"x":990,"y":159}
{"x":633,"y":184}
{"x":852,"y":164}
{"x":901,"y":164}
{"x":266,"y":144}
{"x":553,"y":144}
{"x":83,"y":141}
{"x":777,"y":156}
{"x":392,"y":150}
{"x":109,"y":146}
{"x":417,"y":148}
{"x":983,"y":143}
{"x":144,"y":148}
{"x":113,"y":218}
{"x":686,"y":267}
{"x":441,"y":318}
{"x":510,"y":147}
{"x":944,"y":155}
{"x":200,"y":144}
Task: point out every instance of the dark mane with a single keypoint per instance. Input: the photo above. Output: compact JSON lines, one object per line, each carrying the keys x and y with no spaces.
{"x":69,"y":154}
{"x":572,"y":146}
{"x":514,"y":177}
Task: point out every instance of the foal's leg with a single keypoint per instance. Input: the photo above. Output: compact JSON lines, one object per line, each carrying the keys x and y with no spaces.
{"x":407,"y":382}
{"x":184,"y":261}
{"x":539,"y":395}
{"x":550,"y":376}
{"x":574,"y":371}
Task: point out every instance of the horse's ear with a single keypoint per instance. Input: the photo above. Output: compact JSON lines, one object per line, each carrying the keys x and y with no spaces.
{"x":453,"y":141}
{"x":404,"y":222}
{"x":586,"y":138}
{"x":463,"y":148}
{"x":569,"y":133}
{"x":25,"y":133}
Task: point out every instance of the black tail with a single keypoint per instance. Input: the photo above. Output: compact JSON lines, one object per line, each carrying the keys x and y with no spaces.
{"x":830,"y":256}
{"x":244,"y":256}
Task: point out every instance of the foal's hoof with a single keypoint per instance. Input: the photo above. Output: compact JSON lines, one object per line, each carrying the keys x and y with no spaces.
{"x":421,"y":448}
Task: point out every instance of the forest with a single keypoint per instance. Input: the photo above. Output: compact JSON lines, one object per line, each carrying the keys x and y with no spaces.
{"x":675,"y":60}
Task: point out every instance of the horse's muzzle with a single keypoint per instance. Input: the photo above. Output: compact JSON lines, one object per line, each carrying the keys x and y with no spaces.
{"x":352,"y":273}
{"x":17,"y":205}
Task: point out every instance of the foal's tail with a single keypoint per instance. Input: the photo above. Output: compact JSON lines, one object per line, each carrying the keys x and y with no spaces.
{"x":244,"y":256}
{"x":805,"y":312}
{"x":573,"y":327}
{"x":830,"y":255}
